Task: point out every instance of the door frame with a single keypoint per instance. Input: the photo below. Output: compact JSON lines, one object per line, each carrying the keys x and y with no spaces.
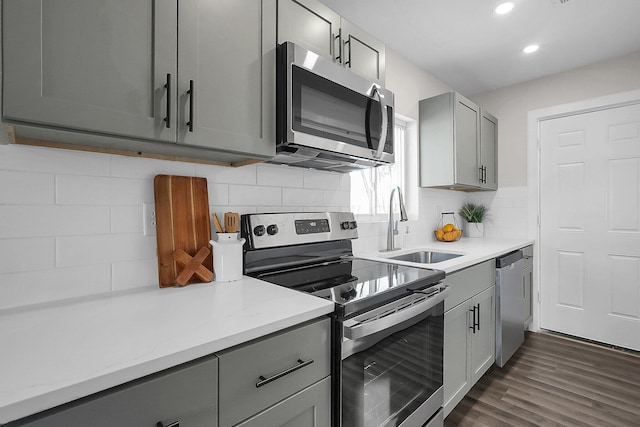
{"x":534,"y":119}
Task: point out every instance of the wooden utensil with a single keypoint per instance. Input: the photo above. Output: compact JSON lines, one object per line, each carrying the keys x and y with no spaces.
{"x":217,"y":224}
{"x":182,"y":224}
{"x":231,"y":222}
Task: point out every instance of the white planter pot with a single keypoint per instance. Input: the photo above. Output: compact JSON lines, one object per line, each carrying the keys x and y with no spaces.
{"x":474,"y":229}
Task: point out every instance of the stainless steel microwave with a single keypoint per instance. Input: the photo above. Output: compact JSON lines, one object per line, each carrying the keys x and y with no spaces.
{"x":329,"y":117}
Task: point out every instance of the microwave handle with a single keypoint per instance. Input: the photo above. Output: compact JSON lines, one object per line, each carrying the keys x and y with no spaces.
{"x":385,"y":121}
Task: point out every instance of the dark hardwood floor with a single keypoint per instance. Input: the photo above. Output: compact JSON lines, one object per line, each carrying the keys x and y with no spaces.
{"x":556,"y":381}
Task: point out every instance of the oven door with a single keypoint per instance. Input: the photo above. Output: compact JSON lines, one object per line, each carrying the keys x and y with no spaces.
{"x":330,"y":108}
{"x":391,"y":370}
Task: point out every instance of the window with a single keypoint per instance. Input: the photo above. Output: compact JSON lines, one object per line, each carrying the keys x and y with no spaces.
{"x":371,"y":188}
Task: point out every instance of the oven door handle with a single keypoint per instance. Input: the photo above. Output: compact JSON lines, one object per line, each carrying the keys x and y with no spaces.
{"x":372,"y":327}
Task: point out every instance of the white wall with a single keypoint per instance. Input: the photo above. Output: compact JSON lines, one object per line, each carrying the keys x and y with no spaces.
{"x":511,"y":105}
{"x":71,"y":222}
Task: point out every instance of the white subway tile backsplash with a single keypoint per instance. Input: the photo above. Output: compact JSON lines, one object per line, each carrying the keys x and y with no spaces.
{"x":218,"y":193}
{"x":336,"y":198}
{"x":50,"y":160}
{"x":100,"y":249}
{"x":26,"y":254}
{"x":89,"y":190}
{"x":279,"y":176}
{"x":301,"y":197}
{"x":321,"y":180}
{"x":134,"y":274}
{"x":248,"y":195}
{"x":33,"y":287}
{"x":228,"y":175}
{"x":135,"y":167}
{"x":29,"y":221}
{"x":26,"y":188}
{"x":127,"y":219}
{"x":71,"y":222}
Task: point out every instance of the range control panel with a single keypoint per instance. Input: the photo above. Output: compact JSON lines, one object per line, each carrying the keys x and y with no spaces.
{"x":282,"y":229}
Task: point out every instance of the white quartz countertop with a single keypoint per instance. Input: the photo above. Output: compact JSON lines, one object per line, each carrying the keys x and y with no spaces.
{"x":56,"y":353}
{"x":472,"y":251}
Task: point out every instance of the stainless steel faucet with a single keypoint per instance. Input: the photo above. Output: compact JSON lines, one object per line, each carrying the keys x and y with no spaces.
{"x":393,"y":230}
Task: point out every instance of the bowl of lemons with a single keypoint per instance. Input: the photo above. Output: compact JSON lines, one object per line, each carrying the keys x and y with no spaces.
{"x":448,"y":230}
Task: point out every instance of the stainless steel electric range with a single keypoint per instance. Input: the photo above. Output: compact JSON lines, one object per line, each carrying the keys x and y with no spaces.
{"x":388,"y":322}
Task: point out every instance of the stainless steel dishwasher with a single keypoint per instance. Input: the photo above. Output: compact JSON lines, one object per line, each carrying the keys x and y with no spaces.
{"x":510,"y":306}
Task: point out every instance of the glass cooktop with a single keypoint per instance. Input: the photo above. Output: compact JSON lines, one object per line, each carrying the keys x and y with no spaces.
{"x":355,"y":284}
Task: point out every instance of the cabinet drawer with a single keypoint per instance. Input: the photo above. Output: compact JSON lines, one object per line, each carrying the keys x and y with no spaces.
{"x":245,"y":371}
{"x":308,"y":408}
{"x":187,"y":394}
{"x":466,"y":283}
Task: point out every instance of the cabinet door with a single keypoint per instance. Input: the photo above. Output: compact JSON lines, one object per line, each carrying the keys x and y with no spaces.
{"x":226,"y":91}
{"x":483,"y":340}
{"x":466,"y":138}
{"x":310,"y":24}
{"x":187,"y":394}
{"x":457,"y":379}
{"x":308,"y":408}
{"x":489,"y":150}
{"x":362,"y":53}
{"x":103,"y":73}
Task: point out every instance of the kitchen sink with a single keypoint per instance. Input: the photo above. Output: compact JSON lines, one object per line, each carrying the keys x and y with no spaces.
{"x":426,"y":257}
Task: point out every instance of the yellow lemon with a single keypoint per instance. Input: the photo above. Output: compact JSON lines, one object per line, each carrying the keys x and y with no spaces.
{"x":448,"y":227}
{"x":439,"y":233}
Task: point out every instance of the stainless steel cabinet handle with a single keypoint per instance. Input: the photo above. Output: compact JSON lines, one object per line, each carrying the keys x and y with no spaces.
{"x":191,"y":94}
{"x":167,"y":86}
{"x":173,"y":424}
{"x":301,"y":364}
{"x":385,"y":121}
{"x":478,"y":324}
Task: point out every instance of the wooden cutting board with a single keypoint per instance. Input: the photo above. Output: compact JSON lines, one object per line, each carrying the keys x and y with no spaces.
{"x":182,"y":223}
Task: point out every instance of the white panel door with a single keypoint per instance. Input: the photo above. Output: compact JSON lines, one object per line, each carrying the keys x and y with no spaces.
{"x":590,"y":225}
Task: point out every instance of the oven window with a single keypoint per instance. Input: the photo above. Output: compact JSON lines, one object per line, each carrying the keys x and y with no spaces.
{"x":329,"y":110}
{"x":384,"y":384}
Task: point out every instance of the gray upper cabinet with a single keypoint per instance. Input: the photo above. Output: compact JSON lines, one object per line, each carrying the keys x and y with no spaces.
{"x":458,"y":144}
{"x":105,"y":72}
{"x":226,"y":87}
{"x":160,"y":71}
{"x":315,"y":27}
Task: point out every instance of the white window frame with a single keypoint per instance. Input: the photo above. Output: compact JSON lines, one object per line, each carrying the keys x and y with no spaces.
{"x":378,"y":200}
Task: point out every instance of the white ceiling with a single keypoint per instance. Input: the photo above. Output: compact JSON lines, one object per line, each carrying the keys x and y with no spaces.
{"x":466,"y":45}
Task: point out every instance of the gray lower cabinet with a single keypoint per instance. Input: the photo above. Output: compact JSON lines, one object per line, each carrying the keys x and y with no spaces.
{"x":314,"y":26}
{"x":187,"y":394}
{"x":177,"y":74}
{"x":283,"y":379}
{"x":469,"y":330}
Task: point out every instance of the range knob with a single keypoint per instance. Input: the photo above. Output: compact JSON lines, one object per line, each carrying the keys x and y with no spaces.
{"x":353,"y":225}
{"x":344,"y":225}
{"x":259,"y":230}
{"x":272,"y":229}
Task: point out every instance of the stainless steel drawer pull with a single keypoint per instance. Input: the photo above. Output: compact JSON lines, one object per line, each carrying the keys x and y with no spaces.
{"x":301,"y":364}
{"x":173,"y":424}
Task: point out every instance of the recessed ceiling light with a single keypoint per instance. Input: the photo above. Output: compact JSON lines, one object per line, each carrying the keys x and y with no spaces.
{"x":504,"y":8}
{"x":531,"y":48}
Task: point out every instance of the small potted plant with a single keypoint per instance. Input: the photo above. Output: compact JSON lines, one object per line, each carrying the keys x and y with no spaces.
{"x":473,"y":214}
